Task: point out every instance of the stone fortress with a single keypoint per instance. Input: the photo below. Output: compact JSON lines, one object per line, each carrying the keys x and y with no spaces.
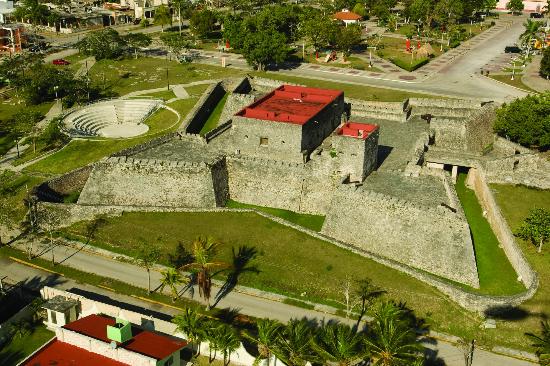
{"x":383,"y":174}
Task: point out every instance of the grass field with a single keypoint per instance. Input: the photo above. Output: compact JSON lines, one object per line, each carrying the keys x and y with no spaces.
{"x":15,"y":190}
{"x":313,"y":222}
{"x":515,"y":203}
{"x":19,"y":348}
{"x":496,"y":274}
{"x":506,"y":79}
{"x":394,"y":49}
{"x":213,"y":119}
{"x":351,"y":91}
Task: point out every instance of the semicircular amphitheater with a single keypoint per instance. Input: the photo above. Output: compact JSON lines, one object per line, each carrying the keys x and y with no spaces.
{"x":117,"y":118}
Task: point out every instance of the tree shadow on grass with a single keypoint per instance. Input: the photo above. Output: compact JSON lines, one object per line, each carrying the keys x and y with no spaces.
{"x":240,"y":262}
{"x":511,"y":313}
{"x":10,"y":357}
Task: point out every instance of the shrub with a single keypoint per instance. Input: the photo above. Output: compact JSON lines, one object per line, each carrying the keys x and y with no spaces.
{"x":407,"y":65}
{"x":545,"y":64}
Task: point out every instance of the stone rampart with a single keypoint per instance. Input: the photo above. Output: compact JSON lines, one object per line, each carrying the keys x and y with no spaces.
{"x":264,"y":84}
{"x":217,"y":131}
{"x":233,"y":104}
{"x":528,"y":169}
{"x":53,"y":190}
{"x":128,"y":181}
{"x":507,"y":148}
{"x":242,"y":86}
{"x":476,"y":180}
{"x":444,"y":103}
{"x":392,"y":111}
{"x":417,"y":152}
{"x":157,"y":141}
{"x":479,"y":129}
{"x":195,"y":119}
{"x":433,"y":239}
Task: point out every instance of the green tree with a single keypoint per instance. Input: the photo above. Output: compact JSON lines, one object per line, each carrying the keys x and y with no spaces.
{"x":102,"y":44}
{"x":223,"y":338}
{"x":367,"y":292}
{"x":545,"y":64}
{"x":191,"y":323}
{"x":347,"y":38}
{"x":448,"y":11}
{"x":162,"y":16}
{"x":137,"y":40}
{"x":202,"y":22}
{"x":542,"y":343}
{"x":530,"y":34}
{"x":172,"y":278}
{"x":391,"y":340}
{"x":320,"y":31}
{"x":147,"y":256}
{"x":422,"y":10}
{"x":515,"y":6}
{"x":263,"y":47}
{"x":181,"y":5}
{"x":359,"y":9}
{"x":536,"y":227}
{"x":267,"y":333}
{"x":32,"y":10}
{"x":23,"y":122}
{"x":294,"y":346}
{"x":339,"y":344}
{"x":526,"y":121}
{"x":204,"y":250}
{"x":175,"y":42}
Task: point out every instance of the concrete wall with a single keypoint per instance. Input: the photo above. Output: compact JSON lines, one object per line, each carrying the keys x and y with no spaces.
{"x":127,"y":181}
{"x":433,"y":239}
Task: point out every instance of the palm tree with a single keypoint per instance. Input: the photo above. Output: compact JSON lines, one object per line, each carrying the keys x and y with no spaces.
{"x":179,"y":4}
{"x":162,"y":16}
{"x":204,"y":250}
{"x":191,"y":323}
{"x":171,"y":278}
{"x":146,"y":257}
{"x":222,"y":337}
{"x":294,"y":346}
{"x":542,"y":343}
{"x":339,"y":344}
{"x":268,"y":330}
{"x":531,"y":29}
{"x":392,"y":339}
{"x":367,"y":292}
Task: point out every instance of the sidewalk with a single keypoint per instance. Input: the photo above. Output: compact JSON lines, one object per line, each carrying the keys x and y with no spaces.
{"x":532,"y":78}
{"x":249,"y":304}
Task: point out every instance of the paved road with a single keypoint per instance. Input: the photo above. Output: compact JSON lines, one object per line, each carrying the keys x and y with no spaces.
{"x":247,"y":304}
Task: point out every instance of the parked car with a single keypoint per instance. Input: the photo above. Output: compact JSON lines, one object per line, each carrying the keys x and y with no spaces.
{"x":512,"y":49}
{"x":60,"y":61}
{"x":536,"y":15}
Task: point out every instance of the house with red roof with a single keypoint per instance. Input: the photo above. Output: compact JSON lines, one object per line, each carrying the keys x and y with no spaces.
{"x":103,"y":340}
{"x":347,"y":17}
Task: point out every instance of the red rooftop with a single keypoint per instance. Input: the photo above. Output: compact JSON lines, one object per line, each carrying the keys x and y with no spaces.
{"x":357,"y":130}
{"x":291,"y":104}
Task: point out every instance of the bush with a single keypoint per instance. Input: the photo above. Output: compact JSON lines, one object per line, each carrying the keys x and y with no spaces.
{"x":454,"y":43}
{"x":407,"y":65}
{"x":545,"y":64}
{"x":526,"y":121}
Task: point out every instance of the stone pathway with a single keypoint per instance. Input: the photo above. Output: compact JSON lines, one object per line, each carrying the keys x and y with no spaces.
{"x":178,"y":90}
{"x":532,"y":78}
{"x":86,"y":65}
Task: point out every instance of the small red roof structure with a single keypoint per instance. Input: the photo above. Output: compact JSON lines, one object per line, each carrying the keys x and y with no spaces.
{"x":357,"y":130}
{"x":290,"y":104}
{"x":63,"y":354}
{"x":144,"y":342}
{"x":346,"y":15}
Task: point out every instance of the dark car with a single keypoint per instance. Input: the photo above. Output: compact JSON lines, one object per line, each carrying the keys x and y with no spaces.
{"x":60,"y":61}
{"x":512,"y":49}
{"x":536,"y":15}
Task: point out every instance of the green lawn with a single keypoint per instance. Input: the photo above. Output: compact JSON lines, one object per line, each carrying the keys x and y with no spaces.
{"x":19,"y":348}
{"x":85,"y":151}
{"x":164,"y":94}
{"x":496,"y":274}
{"x":148,"y":73}
{"x":393,"y":49}
{"x":506,"y":79}
{"x":515,"y":203}
{"x":213,"y":119}
{"x":350,"y":90}
{"x":354,"y":62}
{"x":313,"y":222}
{"x":15,"y":190}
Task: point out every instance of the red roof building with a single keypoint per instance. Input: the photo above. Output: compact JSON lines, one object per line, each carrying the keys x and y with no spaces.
{"x":348,"y":17}
{"x":85,"y":342}
{"x":357,"y":130}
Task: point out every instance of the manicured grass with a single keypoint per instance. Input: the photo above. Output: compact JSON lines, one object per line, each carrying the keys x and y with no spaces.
{"x":506,"y":79}
{"x":350,"y":90}
{"x":85,"y":151}
{"x":313,"y":222}
{"x":496,"y":274}
{"x":289,"y":261}
{"x":15,"y":190}
{"x":354,"y":62}
{"x":19,"y":348}
{"x":197,"y":90}
{"x":213,"y":119}
{"x":515,"y":203}
{"x":10,"y":107}
{"x":144,"y":73}
{"x":164,"y":94}
{"x":394,"y":49}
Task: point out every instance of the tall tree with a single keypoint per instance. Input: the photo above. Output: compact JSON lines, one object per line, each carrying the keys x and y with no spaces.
{"x":267,"y":333}
{"x":102,"y":44}
{"x":191,"y":323}
{"x":542,"y":343}
{"x":294,"y":346}
{"x":180,"y":5}
{"x":515,"y":6}
{"x":175,"y":42}
{"x":545,"y":64}
{"x":536,"y":227}
{"x":147,"y":256}
{"x":339,"y":344}
{"x":172,"y":278}
{"x":530,"y":34}
{"x":162,"y":16}
{"x":223,"y":338}
{"x":263,"y":47}
{"x":137,"y":40}
{"x":202,"y":22}
{"x":23,"y":122}
{"x":367,"y":292}
{"x":347,"y":38}
{"x":204,"y":251}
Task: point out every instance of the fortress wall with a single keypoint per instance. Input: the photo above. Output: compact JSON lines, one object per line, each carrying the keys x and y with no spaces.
{"x":479,"y":129}
{"x":54,"y":189}
{"x":392,"y":111}
{"x":477,"y":180}
{"x":289,"y":186}
{"x":506,"y":147}
{"x":449,"y":134}
{"x":234,"y":103}
{"x":267,"y":85}
{"x":198,"y":115}
{"x":147,"y":145}
{"x":242,"y":86}
{"x":527,"y":169}
{"x":143,"y":182}
{"x":433,"y":239}
{"x":444,"y":103}
{"x":220,"y":182}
